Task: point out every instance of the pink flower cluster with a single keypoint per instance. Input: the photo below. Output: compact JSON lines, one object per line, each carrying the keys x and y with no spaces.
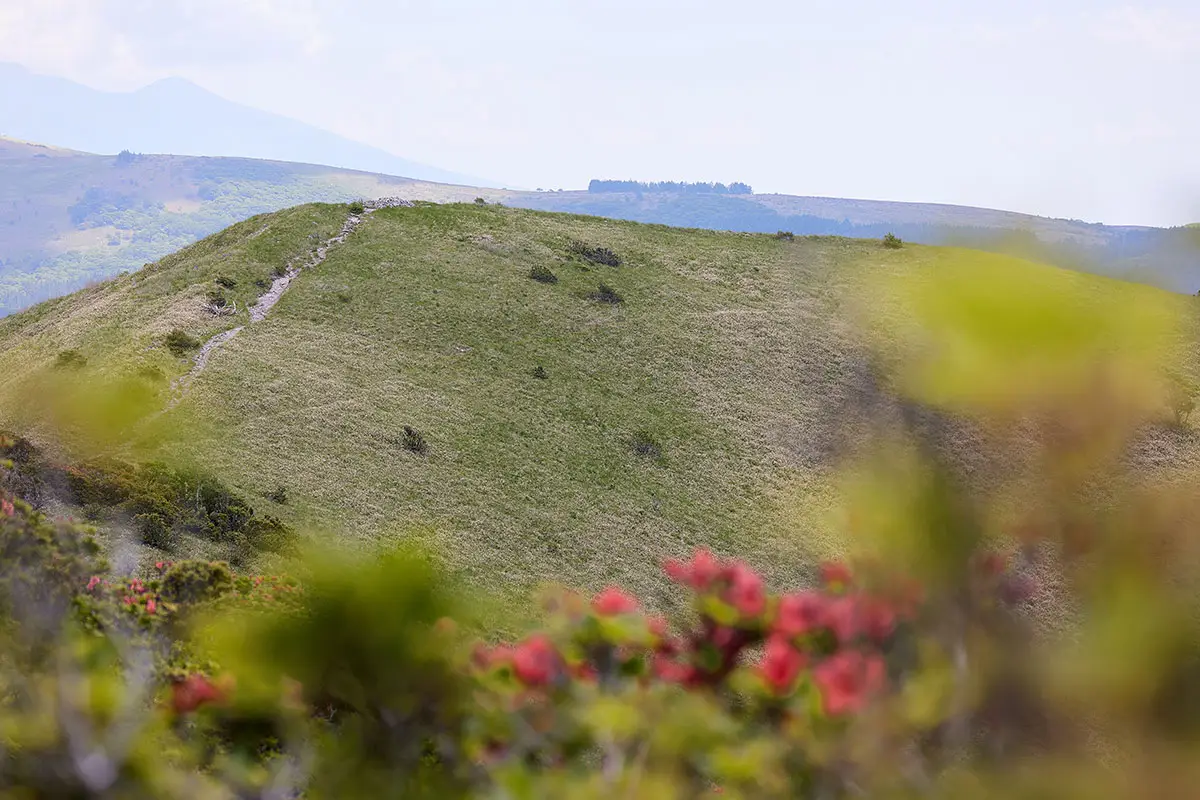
{"x":834,"y":637}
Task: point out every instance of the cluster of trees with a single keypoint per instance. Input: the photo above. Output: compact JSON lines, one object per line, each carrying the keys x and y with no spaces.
{"x":671,"y":187}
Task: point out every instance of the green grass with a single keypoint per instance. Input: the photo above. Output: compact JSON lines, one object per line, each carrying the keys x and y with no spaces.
{"x":735,"y":353}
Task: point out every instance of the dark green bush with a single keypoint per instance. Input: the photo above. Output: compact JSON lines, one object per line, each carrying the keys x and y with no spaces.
{"x":91,"y":485}
{"x":606,"y":294}
{"x":892,"y":241}
{"x":268,"y":533}
{"x":414,"y":441}
{"x":45,"y":564}
{"x":785,"y":236}
{"x":542,"y":274}
{"x":196,"y":581}
{"x":226,"y":282}
{"x":479,"y":201}
{"x":70,"y":359}
{"x":154,"y":529}
{"x":540,"y":373}
{"x":594,"y":254}
{"x":180,"y":344}
{"x":357,"y":207}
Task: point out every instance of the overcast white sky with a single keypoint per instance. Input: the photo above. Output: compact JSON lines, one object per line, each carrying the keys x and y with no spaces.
{"x":1074,"y":108}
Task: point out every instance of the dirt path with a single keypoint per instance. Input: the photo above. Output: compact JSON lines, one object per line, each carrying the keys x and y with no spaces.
{"x":266,"y":301}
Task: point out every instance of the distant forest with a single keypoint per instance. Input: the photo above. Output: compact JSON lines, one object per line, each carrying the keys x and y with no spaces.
{"x":673,"y":187}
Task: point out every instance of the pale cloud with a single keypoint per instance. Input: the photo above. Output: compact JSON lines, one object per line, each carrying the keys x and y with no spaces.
{"x":123,"y":43}
{"x":1159,"y":31}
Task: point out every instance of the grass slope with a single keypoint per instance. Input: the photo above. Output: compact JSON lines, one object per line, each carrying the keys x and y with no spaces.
{"x":733,"y":353}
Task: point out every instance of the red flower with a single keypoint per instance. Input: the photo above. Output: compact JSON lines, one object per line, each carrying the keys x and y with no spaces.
{"x":93,"y":582}
{"x":151,"y":606}
{"x":192,"y":692}
{"x":699,"y":573}
{"x":781,"y":664}
{"x":535,"y":661}
{"x":845,"y":619}
{"x":746,"y":592}
{"x":835,"y":575}
{"x":801,"y":613}
{"x":7,"y":508}
{"x":847,"y":681}
{"x":658,"y":626}
{"x":672,"y":671}
{"x":613,"y":602}
{"x":878,"y":618}
{"x":158,"y":565}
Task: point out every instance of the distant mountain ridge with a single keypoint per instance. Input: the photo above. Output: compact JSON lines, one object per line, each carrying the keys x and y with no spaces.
{"x":178,"y":117}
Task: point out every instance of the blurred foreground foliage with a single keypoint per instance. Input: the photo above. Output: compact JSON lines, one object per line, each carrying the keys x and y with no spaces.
{"x":1033,"y":634}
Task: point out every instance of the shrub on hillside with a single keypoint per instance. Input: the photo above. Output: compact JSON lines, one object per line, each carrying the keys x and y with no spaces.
{"x":180,"y":343}
{"x":645,"y":445}
{"x":196,"y":581}
{"x":594,"y":254}
{"x":357,"y":207}
{"x":785,"y":236}
{"x":225,"y":282}
{"x":606,"y":294}
{"x":70,"y":359}
{"x":479,"y":201}
{"x":542,"y":274}
{"x":413,"y":441}
{"x":154,"y":530}
{"x":892,"y":241}
{"x":540,"y":373}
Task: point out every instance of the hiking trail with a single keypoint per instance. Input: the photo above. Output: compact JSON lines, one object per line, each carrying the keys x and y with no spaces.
{"x":267,"y":300}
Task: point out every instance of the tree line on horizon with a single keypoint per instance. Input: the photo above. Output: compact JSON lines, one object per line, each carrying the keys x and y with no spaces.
{"x":674,"y":187}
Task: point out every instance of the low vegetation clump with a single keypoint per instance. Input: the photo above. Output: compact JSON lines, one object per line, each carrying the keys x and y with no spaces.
{"x":357,"y":207}
{"x":540,"y":373}
{"x":180,"y":343}
{"x":226,"y":282}
{"x":164,"y":503}
{"x":892,"y":242}
{"x":785,"y":236}
{"x":414,"y":441}
{"x":542,"y":274}
{"x":606,"y":294}
{"x":594,"y":254}
{"x":70,"y":359}
{"x":645,"y":445}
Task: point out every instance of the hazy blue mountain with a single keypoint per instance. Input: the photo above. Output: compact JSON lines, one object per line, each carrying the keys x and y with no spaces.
{"x":178,"y":117}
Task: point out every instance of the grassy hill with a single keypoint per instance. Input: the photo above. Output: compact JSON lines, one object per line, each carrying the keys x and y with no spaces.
{"x":568,"y":437}
{"x":68,"y":218}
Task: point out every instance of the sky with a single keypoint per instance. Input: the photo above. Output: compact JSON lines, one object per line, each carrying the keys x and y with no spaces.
{"x":1072,"y":108}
